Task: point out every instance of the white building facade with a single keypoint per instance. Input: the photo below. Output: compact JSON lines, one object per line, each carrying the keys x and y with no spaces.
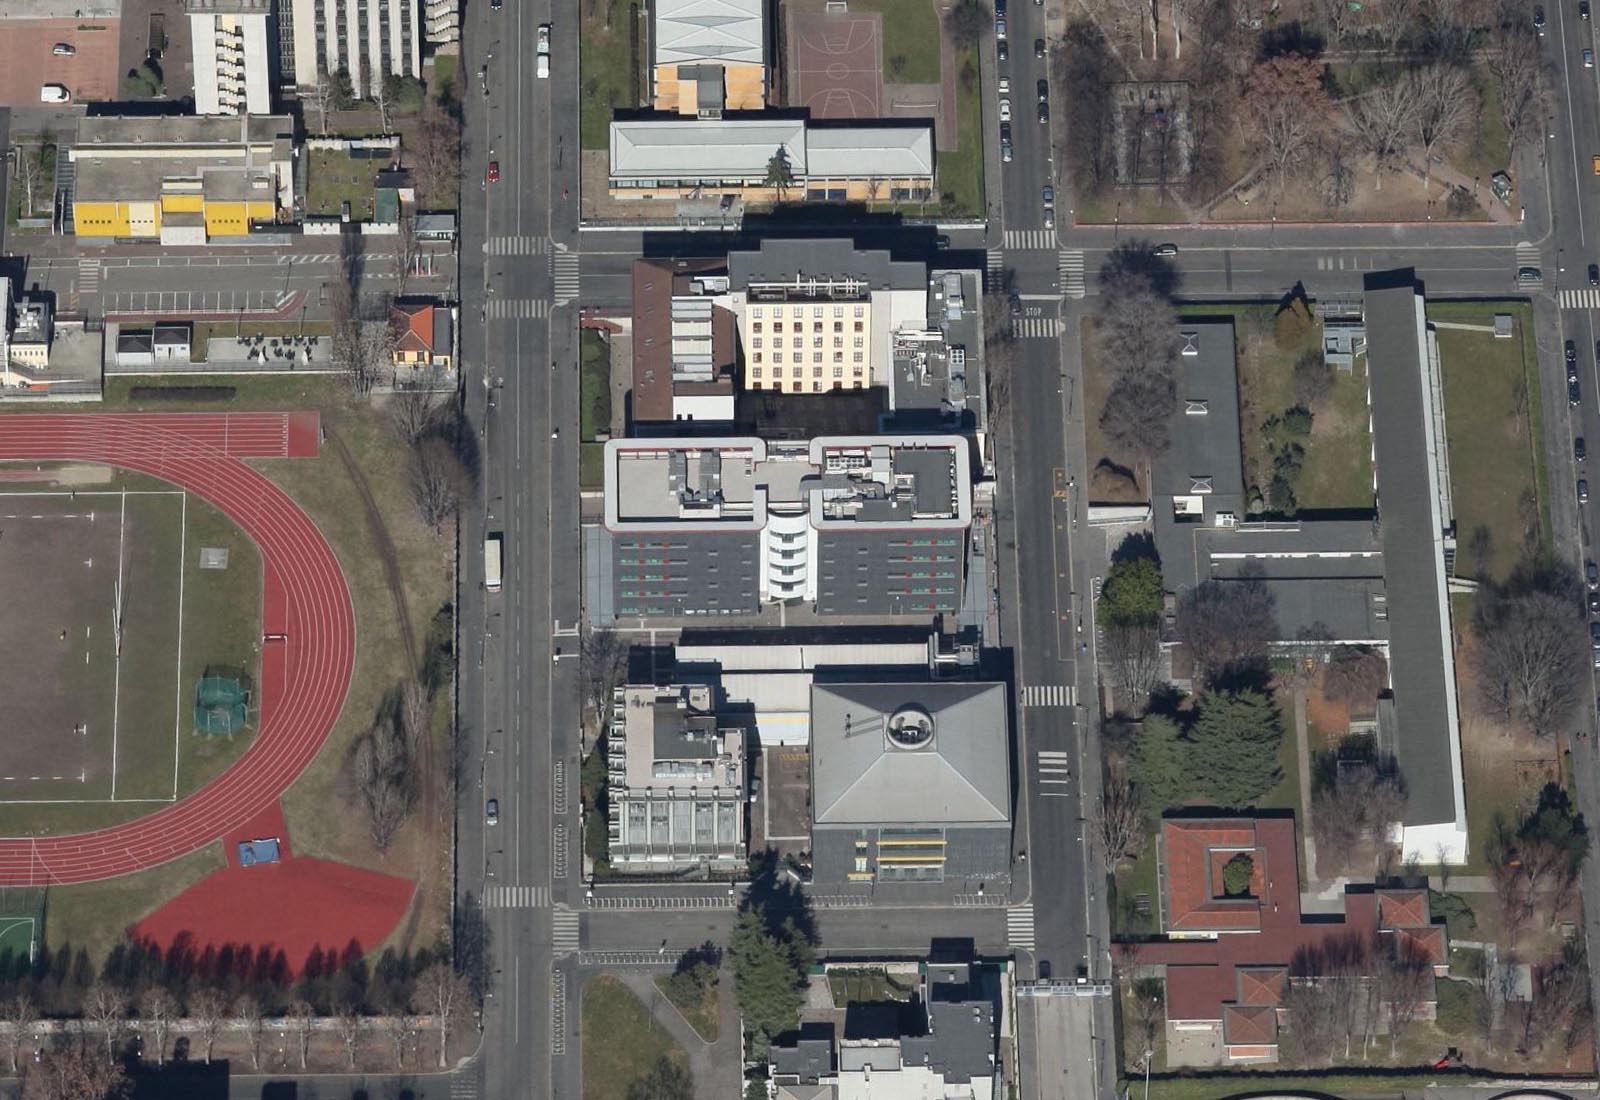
{"x":369,"y":39}
{"x":233,"y":50}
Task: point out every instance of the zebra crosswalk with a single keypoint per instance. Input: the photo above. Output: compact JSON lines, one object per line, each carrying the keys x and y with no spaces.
{"x":1049,"y":695}
{"x":516,"y":897}
{"x":518,"y":309}
{"x":464,"y":1084}
{"x":1048,"y":328}
{"x":1019,"y":927}
{"x":995,"y":266}
{"x":1588,"y":298}
{"x":566,"y":925}
{"x":88,"y":276}
{"x":1070,"y":268}
{"x":564,"y":268}
{"x":524,"y":244}
{"x":1055,"y":773}
{"x":1030,"y":238}
{"x":1528,"y":256}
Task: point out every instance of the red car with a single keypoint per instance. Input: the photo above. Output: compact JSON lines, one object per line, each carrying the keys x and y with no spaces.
{"x":494,"y":171}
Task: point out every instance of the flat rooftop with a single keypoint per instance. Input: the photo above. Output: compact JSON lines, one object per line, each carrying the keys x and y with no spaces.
{"x":168,"y":131}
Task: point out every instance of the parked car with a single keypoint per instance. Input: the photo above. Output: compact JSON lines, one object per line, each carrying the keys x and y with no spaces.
{"x":999,"y":26}
{"x":1588,"y":58}
{"x":491,"y":812}
{"x":54,"y":93}
{"x":1005,"y":151}
{"x":1571,"y":350}
{"x":1580,"y":450}
{"x":1583,"y":9}
{"x":1005,"y":110}
{"x":1003,"y":53}
{"x":1005,"y":131}
{"x":1044,"y":90}
{"x":1048,"y":193}
{"x":1049,"y":217}
{"x":544,"y":39}
{"x":1591,"y":574}
{"x":1594,"y":635}
{"x":1594,"y":274}
{"x":494,"y":171}
{"x":1044,"y":112}
{"x":755,"y":788}
{"x":495,"y":4}
{"x":1538,"y":20}
{"x":1574,"y":394}
{"x":1005,"y":85}
{"x":1583,"y":491}
{"x":1165,"y":250}
{"x":1038,"y":47}
{"x":1594,"y":603}
{"x":63,"y":49}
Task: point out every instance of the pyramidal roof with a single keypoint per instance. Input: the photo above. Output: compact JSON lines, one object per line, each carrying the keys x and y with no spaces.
{"x":730,"y":31}
{"x":909,"y":753}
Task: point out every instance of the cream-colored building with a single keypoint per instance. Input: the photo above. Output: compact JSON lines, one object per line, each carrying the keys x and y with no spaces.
{"x":233,"y":42}
{"x":710,"y":56}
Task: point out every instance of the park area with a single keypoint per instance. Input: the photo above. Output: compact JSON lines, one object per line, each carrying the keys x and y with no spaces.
{"x":624,"y":1046}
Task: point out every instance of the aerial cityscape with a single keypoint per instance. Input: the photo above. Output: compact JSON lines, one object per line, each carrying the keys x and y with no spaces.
{"x":799,"y":549}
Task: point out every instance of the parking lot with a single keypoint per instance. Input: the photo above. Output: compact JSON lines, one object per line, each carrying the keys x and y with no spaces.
{"x":27,"y":63}
{"x":781,"y":815}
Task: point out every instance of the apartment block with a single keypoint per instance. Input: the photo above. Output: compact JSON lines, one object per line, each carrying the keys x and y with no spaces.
{"x":234,"y":51}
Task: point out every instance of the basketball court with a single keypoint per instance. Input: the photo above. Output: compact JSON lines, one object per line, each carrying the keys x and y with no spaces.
{"x":835,"y":61}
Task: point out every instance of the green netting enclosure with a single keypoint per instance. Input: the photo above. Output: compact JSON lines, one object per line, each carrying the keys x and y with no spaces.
{"x":221,"y":705}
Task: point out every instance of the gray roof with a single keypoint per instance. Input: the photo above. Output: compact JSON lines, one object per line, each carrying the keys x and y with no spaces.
{"x":864,"y":772}
{"x":1205,"y":444}
{"x":960,"y":1041}
{"x":782,"y":259}
{"x":808,"y":1057}
{"x":892,"y":151}
{"x":1421,"y":663}
{"x":732,"y":31}
{"x":711,"y":149}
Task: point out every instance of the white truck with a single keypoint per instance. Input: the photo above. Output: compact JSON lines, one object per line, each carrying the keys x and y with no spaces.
{"x":543,"y":62}
{"x":491,"y":560}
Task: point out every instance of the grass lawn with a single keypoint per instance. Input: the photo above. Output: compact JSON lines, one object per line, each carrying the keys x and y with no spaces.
{"x":445,"y":67}
{"x":1351,"y":1086}
{"x":594,"y":390}
{"x":959,"y":173}
{"x":868,"y":985}
{"x":1494,"y":433}
{"x":621,"y":1040}
{"x":333,"y":178}
{"x":611,"y":70}
{"x":591,"y":467}
{"x":1139,"y":877}
{"x":325,"y":489}
{"x":910,"y":31}
{"x":1337,"y":472}
{"x":94,"y":914}
{"x":1485,"y":150}
{"x":701,"y":1012}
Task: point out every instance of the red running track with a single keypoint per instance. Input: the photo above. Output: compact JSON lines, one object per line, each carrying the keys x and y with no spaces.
{"x":304,"y":678}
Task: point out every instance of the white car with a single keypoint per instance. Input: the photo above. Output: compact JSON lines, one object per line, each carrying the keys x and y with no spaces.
{"x":54,"y":93}
{"x":63,"y":49}
{"x":1005,"y":85}
{"x":544,"y":39}
{"x":1005,"y":110}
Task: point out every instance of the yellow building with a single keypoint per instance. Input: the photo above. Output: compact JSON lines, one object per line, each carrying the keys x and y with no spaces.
{"x":180,"y":180}
{"x":685,"y":158}
{"x":710,"y":57}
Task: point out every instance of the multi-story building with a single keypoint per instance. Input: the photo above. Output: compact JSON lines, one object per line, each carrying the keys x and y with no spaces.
{"x":675,"y":781}
{"x":234,"y":55}
{"x":441,"y":22}
{"x":180,"y":180}
{"x":710,"y":56}
{"x":852,"y":525}
{"x":368,"y":39}
{"x":685,"y":349}
{"x":910,"y":782}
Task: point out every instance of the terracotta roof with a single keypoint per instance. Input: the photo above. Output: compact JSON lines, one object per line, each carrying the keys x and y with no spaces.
{"x":1262,"y":985}
{"x":1402,"y":908}
{"x":1252,"y":1025}
{"x":1192,"y":992}
{"x":413,"y":325}
{"x":654,"y":284}
{"x":1196,"y":852}
{"x":1428,"y":941}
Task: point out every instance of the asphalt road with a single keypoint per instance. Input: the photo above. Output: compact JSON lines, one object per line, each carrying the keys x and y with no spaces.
{"x":519,"y":704}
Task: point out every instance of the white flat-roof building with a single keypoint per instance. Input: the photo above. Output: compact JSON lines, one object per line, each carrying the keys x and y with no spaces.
{"x":233,"y":55}
{"x":366,"y":38}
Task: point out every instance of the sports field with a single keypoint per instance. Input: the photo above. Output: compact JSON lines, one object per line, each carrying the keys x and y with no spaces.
{"x":110,"y":624}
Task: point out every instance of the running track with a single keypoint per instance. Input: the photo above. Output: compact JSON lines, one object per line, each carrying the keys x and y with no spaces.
{"x":303,"y":678}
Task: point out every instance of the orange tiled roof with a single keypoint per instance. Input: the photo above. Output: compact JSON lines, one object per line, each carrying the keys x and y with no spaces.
{"x":1427,"y":941}
{"x":1251,"y":1025}
{"x":1262,"y":985}
{"x":1196,"y":851}
{"x":413,"y":326}
{"x":1402,"y":908}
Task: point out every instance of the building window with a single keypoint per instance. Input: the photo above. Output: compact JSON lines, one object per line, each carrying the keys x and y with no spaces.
{"x":838,"y":372}
{"x":799,"y":342}
{"x":755,"y":311}
{"x":777,"y":326}
{"x":861,"y":311}
{"x":816,"y":372}
{"x":855,"y":357}
{"x":816,"y":313}
{"x":816,"y":341}
{"x":838,"y":311}
{"x":777,"y":357}
{"x":756,"y":343}
{"x":755,"y":326}
{"x":756,"y":358}
{"x":858,"y":342}
{"x":858,"y":326}
{"x":756,"y":373}
{"x":838,"y":341}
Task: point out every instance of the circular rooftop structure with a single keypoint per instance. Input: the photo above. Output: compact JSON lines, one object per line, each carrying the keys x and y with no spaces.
{"x":910,"y":727}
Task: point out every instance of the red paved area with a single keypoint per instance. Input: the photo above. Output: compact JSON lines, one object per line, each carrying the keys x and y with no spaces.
{"x":305,"y":672}
{"x":837,"y":64}
{"x":26,"y":61}
{"x":282,"y":910}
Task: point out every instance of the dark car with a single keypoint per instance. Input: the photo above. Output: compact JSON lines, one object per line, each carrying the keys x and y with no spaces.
{"x":1005,"y":131}
{"x":1594,"y":274}
{"x":1591,"y":575}
{"x":1583,"y":491}
{"x":1538,"y":20}
{"x":1574,"y":394}
{"x":1038,"y":47}
{"x":1571,"y":350}
{"x":1002,"y":51}
{"x":491,"y":811}
{"x":1594,"y":634}
{"x":495,"y":4}
{"x":1583,"y":9}
{"x":1164,"y":250}
{"x":1015,"y":302}
{"x":1044,"y":112}
{"x":1044,"y":90}
{"x":1580,"y":451}
{"x":1594,"y":603}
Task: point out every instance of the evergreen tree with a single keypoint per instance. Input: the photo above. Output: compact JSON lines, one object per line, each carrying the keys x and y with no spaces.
{"x":769,"y":974}
{"x":1132,"y":593}
{"x":1233,"y":750}
{"x":1159,"y":766}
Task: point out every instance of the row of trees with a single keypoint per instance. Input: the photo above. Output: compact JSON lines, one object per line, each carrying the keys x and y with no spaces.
{"x":1530,"y":648}
{"x":773,"y":947}
{"x":1223,"y":752}
{"x":1136,"y":339}
{"x":1343,"y":988}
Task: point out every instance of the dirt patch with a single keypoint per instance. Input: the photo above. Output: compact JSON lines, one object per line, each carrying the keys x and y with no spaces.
{"x":1329,"y":720}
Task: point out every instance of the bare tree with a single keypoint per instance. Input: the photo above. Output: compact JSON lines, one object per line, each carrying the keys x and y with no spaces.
{"x":403,"y":1035}
{"x":156,"y":1008}
{"x":250,"y":1018}
{"x":1309,"y":1004}
{"x":384,"y":778}
{"x":320,"y":97}
{"x":1515,"y":64}
{"x":413,"y":412}
{"x":381,"y":99}
{"x":1134,"y":650}
{"x":208,"y":1008}
{"x":304,"y":1016}
{"x":1444,"y":107}
{"x":1119,"y":821}
{"x":1513,"y":900}
{"x":406,"y":250}
{"x":1361,"y":805}
{"x":70,"y":1074}
{"x":1402,"y":980}
{"x":1137,"y":339}
{"x":1354,"y":675}
{"x":1227,"y":625}
{"x":1286,"y":109}
{"x":603,"y":660}
{"x":1148,"y":999}
{"x":1383,"y":118}
{"x":29,"y":168}
{"x":1394,"y":20}
{"x":443,"y":993}
{"x":22,"y":1014}
{"x":106,"y":1007}
{"x":1561,"y":1005}
{"x":438,"y":481}
{"x":1530,"y":655}
{"x":347,"y":1018}
{"x":437,"y":154}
